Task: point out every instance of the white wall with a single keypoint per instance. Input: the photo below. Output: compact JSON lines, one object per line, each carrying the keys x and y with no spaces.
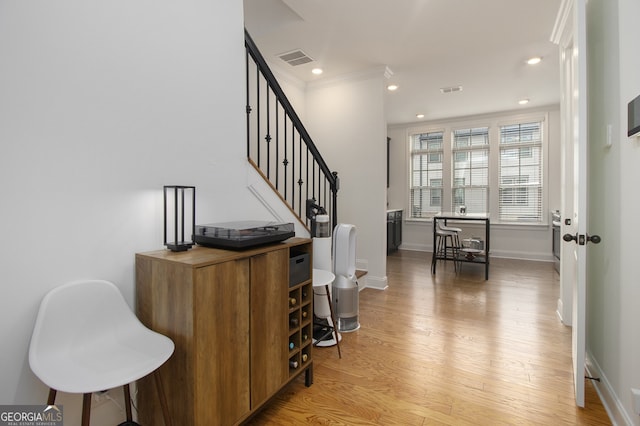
{"x":628,"y":371}
{"x":512,"y":241}
{"x":613,"y":290}
{"x":346,"y":120}
{"x":103,"y":103}
{"x":294,"y":89}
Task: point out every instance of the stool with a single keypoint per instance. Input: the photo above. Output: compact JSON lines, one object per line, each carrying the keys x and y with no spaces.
{"x":322,"y":278}
{"x":447,"y":244}
{"x":451,"y":229}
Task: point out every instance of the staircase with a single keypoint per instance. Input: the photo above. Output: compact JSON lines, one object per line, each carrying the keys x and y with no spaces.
{"x":279,"y":147}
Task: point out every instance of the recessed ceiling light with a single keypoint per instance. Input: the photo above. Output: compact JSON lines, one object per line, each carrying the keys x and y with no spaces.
{"x":420,"y":115}
{"x":392,"y":87}
{"x":317,"y":71}
{"x":534,"y":60}
{"x":523,"y":101}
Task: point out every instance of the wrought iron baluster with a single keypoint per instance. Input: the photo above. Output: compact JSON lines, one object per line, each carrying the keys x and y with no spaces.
{"x":300,"y":181}
{"x":268,"y":136}
{"x":248,"y":106}
{"x":277,"y":157}
{"x":307,"y":177}
{"x":285,"y":162}
{"x":302,"y":174}
{"x":293,"y":163}
{"x":258,"y":113}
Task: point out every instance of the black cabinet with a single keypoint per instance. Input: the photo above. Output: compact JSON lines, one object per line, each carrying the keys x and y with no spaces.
{"x":394,"y":230}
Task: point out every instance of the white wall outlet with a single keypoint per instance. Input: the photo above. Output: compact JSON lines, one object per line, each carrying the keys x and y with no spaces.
{"x":636,"y":400}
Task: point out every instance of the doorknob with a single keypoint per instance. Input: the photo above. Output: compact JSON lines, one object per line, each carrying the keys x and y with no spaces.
{"x":595,"y":239}
{"x":580,"y":239}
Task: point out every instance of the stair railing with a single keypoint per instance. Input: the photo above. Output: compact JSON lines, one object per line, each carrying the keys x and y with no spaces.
{"x":278,"y":144}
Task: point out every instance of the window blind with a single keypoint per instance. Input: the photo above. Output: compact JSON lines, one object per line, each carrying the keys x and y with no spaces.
{"x":470,"y":186}
{"x":520,"y":173}
{"x":426,"y":174}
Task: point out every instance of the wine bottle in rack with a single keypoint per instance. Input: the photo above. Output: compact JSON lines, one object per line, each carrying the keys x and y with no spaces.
{"x":292,"y":301}
{"x":293,"y":322}
{"x":291,"y":345}
{"x":293,"y":364}
{"x":304,"y":357}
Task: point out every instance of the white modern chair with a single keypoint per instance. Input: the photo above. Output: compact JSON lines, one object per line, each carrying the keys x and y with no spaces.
{"x":86,"y":339}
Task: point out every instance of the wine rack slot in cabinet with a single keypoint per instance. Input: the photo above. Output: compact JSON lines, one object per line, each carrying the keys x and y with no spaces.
{"x":300,"y":326}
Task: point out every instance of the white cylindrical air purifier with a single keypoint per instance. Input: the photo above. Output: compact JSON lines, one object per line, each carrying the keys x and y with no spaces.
{"x":345,"y":286}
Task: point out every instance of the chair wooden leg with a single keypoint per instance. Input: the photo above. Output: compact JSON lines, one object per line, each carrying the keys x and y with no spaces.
{"x":86,"y":409}
{"x":163,"y":398}
{"x":127,"y":402}
{"x":52,"y":396}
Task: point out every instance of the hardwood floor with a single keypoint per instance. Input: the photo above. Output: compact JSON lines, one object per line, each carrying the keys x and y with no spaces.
{"x":450,"y":349}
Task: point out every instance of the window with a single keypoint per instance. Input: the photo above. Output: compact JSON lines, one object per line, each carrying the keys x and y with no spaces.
{"x":494,"y":164}
{"x":520,"y":172}
{"x":471,"y":169}
{"x":426,"y":174}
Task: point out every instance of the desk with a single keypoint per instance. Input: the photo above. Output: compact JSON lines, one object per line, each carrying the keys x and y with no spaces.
{"x":482,"y":257}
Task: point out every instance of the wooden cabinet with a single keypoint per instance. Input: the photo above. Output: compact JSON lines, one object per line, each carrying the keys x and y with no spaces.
{"x":229,"y":314}
{"x":268,"y":324}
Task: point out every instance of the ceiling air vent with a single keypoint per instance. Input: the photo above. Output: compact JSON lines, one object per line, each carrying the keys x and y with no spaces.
{"x":295,"y":57}
{"x":451,"y":89}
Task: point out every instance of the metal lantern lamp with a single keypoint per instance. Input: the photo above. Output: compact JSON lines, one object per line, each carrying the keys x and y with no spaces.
{"x":179,"y":215}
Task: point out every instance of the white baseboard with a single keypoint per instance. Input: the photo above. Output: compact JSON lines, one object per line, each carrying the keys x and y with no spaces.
{"x":362,"y":283}
{"x":376,"y":283}
{"x":616,"y":411}
{"x":415,"y":247}
{"x":522,"y":255}
{"x":559,"y":311}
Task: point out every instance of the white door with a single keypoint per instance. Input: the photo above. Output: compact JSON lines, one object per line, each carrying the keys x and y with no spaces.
{"x":570,"y":35}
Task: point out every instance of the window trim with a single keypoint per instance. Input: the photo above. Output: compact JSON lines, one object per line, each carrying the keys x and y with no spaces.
{"x":493,"y":121}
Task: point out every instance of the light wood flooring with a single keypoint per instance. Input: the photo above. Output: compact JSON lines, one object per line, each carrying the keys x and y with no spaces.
{"x":449,"y":349}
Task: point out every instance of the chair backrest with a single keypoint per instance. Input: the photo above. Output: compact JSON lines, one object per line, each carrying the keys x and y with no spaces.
{"x":80,"y":311}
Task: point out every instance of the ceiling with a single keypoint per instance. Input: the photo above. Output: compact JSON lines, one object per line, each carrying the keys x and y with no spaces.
{"x":481,"y":45}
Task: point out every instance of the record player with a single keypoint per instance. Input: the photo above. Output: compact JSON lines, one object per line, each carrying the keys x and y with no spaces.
{"x":242,"y":234}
